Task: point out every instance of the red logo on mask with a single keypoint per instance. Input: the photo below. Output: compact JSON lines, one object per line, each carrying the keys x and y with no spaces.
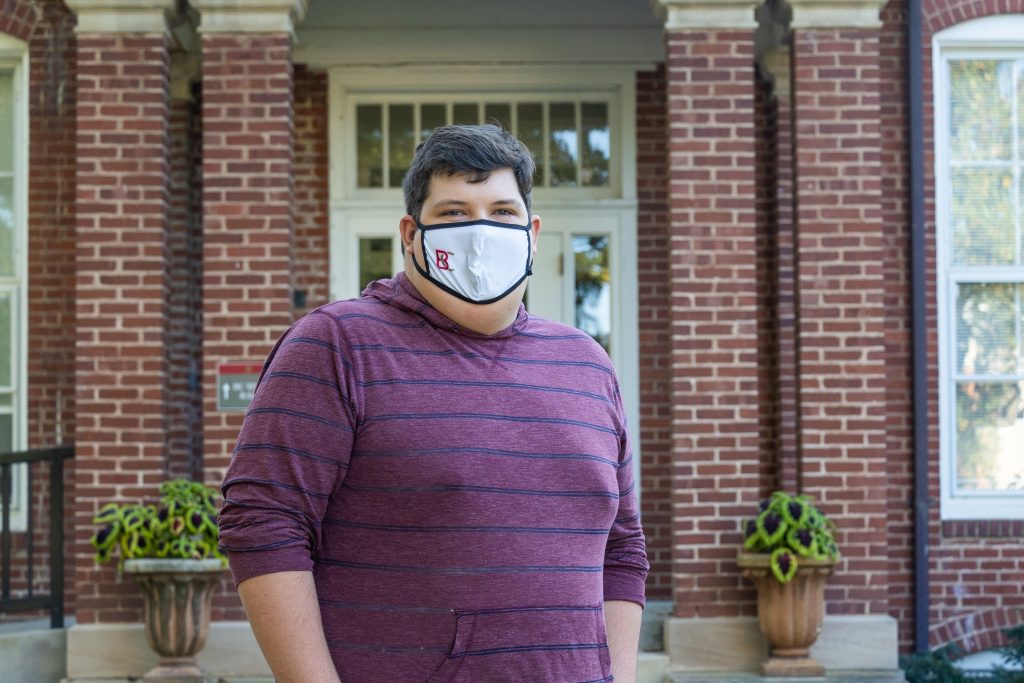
{"x":442,"y":259}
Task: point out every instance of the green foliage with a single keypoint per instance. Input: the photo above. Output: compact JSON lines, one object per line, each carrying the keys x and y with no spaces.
{"x":1014,"y":655}
{"x":788,"y":528}
{"x":182,"y":526}
{"x":932,"y":667}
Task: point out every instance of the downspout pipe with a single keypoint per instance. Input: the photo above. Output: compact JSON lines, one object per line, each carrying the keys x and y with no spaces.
{"x":915,"y":95}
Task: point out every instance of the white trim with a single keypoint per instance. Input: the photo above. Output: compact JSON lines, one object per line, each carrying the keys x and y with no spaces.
{"x":382,"y":209}
{"x":989,"y":37}
{"x":448,"y":48}
{"x":13,"y":58}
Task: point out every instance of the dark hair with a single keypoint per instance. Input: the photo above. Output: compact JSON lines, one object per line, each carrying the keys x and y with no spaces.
{"x":474,"y":150}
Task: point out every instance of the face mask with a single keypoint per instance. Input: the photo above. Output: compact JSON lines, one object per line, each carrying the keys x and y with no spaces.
{"x":477,"y":261}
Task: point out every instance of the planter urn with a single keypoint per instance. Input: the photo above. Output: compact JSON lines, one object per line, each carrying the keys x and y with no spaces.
{"x":790,"y":614}
{"x":177,"y":597}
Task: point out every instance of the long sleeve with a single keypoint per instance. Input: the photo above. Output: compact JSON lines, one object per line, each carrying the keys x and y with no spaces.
{"x":292,"y":453}
{"x":625,"y":559}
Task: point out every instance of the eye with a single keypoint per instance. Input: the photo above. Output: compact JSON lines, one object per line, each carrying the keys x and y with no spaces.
{"x":505,"y":212}
{"x":453,"y":212}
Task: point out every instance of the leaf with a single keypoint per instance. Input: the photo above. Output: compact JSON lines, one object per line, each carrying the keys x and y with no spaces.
{"x":783,"y":564}
{"x":771,"y":526}
{"x":803,"y":542}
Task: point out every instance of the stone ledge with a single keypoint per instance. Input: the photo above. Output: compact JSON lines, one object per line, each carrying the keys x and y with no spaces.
{"x":830,"y":677}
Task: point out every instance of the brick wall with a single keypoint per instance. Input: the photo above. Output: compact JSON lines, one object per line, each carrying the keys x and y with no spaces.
{"x":18,"y":17}
{"x":247,"y":224}
{"x":655,"y":342}
{"x":839,"y":302}
{"x":121,"y":294}
{"x":312,"y":249}
{"x":712,"y":280}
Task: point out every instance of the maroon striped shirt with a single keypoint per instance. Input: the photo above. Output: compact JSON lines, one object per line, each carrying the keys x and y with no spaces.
{"x":465,"y":502}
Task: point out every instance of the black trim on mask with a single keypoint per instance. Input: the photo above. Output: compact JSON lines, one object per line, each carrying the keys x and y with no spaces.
{"x":461,"y":224}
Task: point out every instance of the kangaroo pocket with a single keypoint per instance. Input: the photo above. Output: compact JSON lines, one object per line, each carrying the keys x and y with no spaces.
{"x":549,"y":644}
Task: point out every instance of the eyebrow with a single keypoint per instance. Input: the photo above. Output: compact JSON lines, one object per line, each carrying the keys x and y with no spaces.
{"x":459,"y":202}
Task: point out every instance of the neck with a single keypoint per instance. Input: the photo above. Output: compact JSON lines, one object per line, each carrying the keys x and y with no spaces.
{"x":480,"y":318}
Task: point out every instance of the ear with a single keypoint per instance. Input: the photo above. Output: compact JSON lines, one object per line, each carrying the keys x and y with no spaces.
{"x":407,"y":232}
{"x":534,"y":232}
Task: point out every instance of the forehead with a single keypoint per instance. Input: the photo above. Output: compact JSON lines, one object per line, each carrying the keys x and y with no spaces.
{"x":500,"y":184}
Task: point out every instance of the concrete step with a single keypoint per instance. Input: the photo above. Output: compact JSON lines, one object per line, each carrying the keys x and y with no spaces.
{"x":652,"y":667}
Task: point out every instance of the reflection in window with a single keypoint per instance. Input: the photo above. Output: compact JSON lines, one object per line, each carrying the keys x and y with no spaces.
{"x":985,"y":216}
{"x":571,"y":141}
{"x":369,"y":145}
{"x":531,"y":132}
{"x":593,"y":287}
{"x":431,"y":116}
{"x":988,"y":336}
{"x":463,"y":113}
{"x":374,"y":259}
{"x":500,"y":114}
{"x":989,"y":436}
{"x":564,"y":144}
{"x":401,"y":142}
{"x":596,"y":143}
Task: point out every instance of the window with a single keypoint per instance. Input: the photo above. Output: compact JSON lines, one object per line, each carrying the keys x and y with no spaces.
{"x":570,"y":139}
{"x":13,"y":239}
{"x":980,"y":186}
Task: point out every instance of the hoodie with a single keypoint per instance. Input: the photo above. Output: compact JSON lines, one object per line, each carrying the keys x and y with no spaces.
{"x":465,"y":502}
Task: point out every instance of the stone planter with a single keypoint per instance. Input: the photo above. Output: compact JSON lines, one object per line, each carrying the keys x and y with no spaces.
{"x":177,"y":598}
{"x":791,"y":614}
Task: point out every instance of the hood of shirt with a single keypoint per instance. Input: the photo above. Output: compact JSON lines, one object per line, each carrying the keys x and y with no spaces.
{"x":400,"y":293}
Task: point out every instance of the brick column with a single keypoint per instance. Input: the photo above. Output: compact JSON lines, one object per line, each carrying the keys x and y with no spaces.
{"x":712,"y":280}
{"x":247,"y":111}
{"x":122,"y":277}
{"x":840,"y":301}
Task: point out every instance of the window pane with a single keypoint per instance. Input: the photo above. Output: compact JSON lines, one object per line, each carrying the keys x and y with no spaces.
{"x":989,"y":436}
{"x":369,"y":146}
{"x":596,"y":143}
{"x":6,"y":433}
{"x":6,"y":122}
{"x":983,"y":225}
{"x":981,"y":109}
{"x":531,"y":132}
{"x":374,"y":259}
{"x":986,"y":329}
{"x":401,"y":142}
{"x":6,"y":226}
{"x":6,"y":334}
{"x":564,"y":144}
{"x":466,"y":113}
{"x":593,"y":287}
{"x":500,"y":113}
{"x":431,"y":116}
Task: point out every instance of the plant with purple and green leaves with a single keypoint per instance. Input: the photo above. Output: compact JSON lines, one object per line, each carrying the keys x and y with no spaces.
{"x":183,"y":525}
{"x":790,"y":528}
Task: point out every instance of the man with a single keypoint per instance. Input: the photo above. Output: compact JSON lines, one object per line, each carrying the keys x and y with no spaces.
{"x":432,"y":484}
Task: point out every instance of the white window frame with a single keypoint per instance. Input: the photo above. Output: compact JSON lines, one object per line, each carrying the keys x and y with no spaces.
{"x":616,"y":84}
{"x":14,"y":56}
{"x":995,"y":37}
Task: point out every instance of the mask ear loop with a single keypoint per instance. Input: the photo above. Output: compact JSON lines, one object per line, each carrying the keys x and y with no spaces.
{"x":425,"y":272}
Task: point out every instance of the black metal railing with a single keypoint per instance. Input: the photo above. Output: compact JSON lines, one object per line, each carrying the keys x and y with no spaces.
{"x":54,"y":600}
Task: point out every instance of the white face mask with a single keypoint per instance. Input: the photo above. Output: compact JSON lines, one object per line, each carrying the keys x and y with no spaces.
{"x":478,"y":261}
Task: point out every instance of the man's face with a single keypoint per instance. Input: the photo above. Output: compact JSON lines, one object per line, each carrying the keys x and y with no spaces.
{"x":453,"y":199}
